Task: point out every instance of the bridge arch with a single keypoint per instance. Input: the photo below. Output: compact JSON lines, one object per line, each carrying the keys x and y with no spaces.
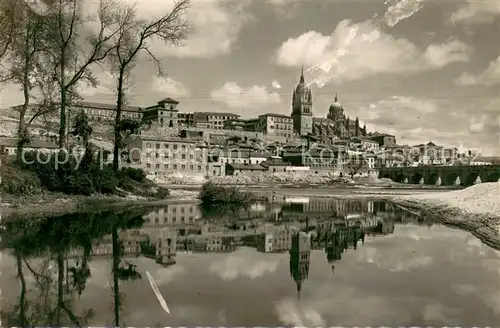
{"x":470,"y":179}
{"x":434,"y":178}
{"x":450,"y":179}
{"x":400,"y":178}
{"x":492,"y":177}
{"x":416,"y":178}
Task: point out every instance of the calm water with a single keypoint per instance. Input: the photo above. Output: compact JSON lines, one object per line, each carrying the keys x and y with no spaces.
{"x":308,"y":262}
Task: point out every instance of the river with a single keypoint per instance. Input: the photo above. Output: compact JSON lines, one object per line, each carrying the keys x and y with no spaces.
{"x":300,"y":261}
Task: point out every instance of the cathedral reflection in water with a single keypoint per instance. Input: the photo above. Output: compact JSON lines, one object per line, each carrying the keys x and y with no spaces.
{"x":296,"y":226}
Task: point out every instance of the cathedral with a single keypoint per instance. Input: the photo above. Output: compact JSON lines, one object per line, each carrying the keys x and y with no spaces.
{"x":335,"y":126}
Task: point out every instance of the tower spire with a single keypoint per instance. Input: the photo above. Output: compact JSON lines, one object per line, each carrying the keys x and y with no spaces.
{"x":302,"y":74}
{"x":336,"y":97}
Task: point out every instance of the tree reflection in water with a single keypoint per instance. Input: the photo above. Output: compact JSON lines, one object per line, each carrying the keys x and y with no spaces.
{"x":53,"y":239}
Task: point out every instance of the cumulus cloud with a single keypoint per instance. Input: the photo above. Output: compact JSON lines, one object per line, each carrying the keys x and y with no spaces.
{"x":235,"y":96}
{"x":402,"y":10}
{"x":244,"y":263}
{"x":169,"y":87}
{"x":358,"y":50}
{"x":403,"y":261}
{"x":276,"y":84}
{"x":215,"y":26}
{"x":489,"y":77}
{"x":476,"y":12}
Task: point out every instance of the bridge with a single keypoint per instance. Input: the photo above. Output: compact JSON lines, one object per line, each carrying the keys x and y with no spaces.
{"x":460,"y":175}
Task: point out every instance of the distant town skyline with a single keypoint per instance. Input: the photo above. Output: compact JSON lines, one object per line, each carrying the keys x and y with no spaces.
{"x":422,"y":70}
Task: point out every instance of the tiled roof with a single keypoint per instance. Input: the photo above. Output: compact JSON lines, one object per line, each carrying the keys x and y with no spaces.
{"x":276,"y":115}
{"x":168,"y":100}
{"x":88,"y":104}
{"x":35,"y":143}
{"x":247,"y":167}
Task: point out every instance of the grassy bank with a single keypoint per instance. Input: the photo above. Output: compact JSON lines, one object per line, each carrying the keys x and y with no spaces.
{"x":40,"y":187}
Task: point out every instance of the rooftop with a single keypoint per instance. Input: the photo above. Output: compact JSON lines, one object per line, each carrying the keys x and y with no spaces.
{"x":276,"y":115}
{"x":168,"y":100}
{"x":247,"y":167}
{"x":35,"y":143}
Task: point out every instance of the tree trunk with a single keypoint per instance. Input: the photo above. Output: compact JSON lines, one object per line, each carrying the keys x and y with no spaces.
{"x":60,"y":283}
{"x":22,"y":130}
{"x":118,"y":136}
{"x":62,"y":118}
{"x":22,"y":297}
{"x":116,"y":286}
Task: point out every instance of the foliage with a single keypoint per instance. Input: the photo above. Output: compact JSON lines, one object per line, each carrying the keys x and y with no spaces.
{"x":18,"y":181}
{"x":212,"y":194}
{"x":133,"y":173}
{"x":355,"y":164}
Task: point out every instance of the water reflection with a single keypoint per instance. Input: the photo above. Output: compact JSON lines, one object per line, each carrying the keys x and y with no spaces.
{"x":52,"y":259}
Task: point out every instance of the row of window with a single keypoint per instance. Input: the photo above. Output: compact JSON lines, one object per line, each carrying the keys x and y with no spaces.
{"x":192,"y":167}
{"x":280,"y":119}
{"x":167,"y":145}
{"x":174,"y":156}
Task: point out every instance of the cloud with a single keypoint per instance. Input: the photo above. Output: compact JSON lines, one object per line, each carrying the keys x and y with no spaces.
{"x":403,"y":261}
{"x":276,"y":84}
{"x":477,"y":12}
{"x":244,"y":263}
{"x":448,"y":122}
{"x":489,"y":77}
{"x":235,"y":96}
{"x":358,"y":50}
{"x":402,"y":10}
{"x":215,"y":27}
{"x":169,"y":87}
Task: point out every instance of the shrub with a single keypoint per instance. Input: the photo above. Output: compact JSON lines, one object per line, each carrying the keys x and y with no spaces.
{"x":212,"y":193}
{"x":78,"y":184}
{"x":133,"y":173}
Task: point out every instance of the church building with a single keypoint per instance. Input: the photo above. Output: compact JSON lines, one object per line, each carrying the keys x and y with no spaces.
{"x":336,"y":125}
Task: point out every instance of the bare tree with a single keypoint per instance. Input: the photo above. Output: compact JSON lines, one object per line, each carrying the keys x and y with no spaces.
{"x":8,"y":25}
{"x":133,"y":39}
{"x":27,"y":49}
{"x":73,"y":53}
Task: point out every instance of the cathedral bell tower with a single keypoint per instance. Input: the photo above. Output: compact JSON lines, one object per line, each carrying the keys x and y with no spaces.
{"x":302,"y":108}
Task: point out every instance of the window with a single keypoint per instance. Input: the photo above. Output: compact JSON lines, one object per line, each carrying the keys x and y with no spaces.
{"x":191,"y":167}
{"x":165,"y":166}
{"x":157,"y":146}
{"x":183,"y":156}
{"x":148,"y":166}
{"x":183,"y":167}
{"x":157,"y":166}
{"x":175,"y":147}
{"x":175,"y":166}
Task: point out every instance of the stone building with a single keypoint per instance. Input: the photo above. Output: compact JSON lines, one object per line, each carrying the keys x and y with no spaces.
{"x":158,"y":155}
{"x":165,"y":113}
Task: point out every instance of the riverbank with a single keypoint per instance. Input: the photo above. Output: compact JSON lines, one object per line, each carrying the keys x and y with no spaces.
{"x":54,"y":204}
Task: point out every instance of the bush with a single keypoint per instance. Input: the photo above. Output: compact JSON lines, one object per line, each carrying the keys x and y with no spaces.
{"x":133,"y":173}
{"x":212,"y":194}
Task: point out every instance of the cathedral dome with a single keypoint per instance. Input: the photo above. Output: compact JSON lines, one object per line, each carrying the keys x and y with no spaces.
{"x":336,"y":105}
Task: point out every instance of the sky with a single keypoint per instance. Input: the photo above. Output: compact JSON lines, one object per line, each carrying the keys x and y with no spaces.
{"x":422,"y":70}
